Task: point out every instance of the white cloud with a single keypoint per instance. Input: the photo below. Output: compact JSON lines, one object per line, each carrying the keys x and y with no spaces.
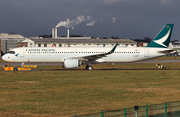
{"x":164,"y":1}
{"x":91,"y":23}
{"x":112,"y":1}
{"x":114,"y":20}
{"x":88,"y":17}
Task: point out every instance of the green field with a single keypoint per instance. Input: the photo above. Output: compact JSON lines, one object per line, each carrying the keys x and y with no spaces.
{"x":78,"y":91}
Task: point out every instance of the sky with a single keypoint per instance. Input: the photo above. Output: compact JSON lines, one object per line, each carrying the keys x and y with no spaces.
{"x":133,"y":19}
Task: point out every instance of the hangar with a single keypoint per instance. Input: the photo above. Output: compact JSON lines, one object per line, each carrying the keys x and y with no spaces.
{"x":75,"y":42}
{"x":9,"y":41}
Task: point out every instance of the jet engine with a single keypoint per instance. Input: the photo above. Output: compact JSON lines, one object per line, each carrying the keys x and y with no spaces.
{"x":72,"y":63}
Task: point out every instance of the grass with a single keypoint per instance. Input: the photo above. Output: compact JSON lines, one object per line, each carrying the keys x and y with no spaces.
{"x":69,"y":92}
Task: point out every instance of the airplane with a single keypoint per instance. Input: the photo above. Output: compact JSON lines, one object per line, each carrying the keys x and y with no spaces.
{"x":74,"y":57}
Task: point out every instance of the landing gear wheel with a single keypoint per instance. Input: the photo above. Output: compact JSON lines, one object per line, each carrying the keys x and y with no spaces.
{"x":89,"y":68}
{"x":15,"y":69}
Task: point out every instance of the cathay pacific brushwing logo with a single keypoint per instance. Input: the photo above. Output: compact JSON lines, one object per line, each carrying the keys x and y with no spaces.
{"x":163,"y":39}
{"x":17,"y":54}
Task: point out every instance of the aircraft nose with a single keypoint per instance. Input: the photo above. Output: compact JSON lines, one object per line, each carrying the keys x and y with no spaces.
{"x":4,"y":57}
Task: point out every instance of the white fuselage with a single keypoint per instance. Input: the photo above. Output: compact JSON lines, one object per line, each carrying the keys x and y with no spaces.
{"x":55,"y":54}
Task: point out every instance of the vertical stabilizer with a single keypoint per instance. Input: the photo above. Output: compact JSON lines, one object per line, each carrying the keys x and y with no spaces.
{"x":163,"y":38}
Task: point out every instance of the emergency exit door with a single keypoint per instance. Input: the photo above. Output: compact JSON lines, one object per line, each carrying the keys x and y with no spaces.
{"x":146,"y":52}
{"x":22,"y":52}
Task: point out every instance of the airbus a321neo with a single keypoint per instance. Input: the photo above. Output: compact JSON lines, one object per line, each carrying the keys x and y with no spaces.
{"x":76,"y":56}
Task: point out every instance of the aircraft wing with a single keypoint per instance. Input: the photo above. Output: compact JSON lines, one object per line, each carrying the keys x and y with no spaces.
{"x":96,"y":56}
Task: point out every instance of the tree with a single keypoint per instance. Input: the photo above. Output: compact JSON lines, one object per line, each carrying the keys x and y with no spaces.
{"x":46,"y":36}
{"x":73,"y":35}
{"x":112,"y":37}
{"x":147,"y":39}
{"x":105,"y":38}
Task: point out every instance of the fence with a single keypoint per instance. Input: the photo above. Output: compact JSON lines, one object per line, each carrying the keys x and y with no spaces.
{"x":170,"y":109}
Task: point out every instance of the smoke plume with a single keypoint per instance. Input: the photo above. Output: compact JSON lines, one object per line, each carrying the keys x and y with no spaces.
{"x":113,"y":20}
{"x":91,"y":23}
{"x":71,"y":23}
{"x":88,"y":17}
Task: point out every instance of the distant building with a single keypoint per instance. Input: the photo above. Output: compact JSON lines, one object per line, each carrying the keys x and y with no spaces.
{"x":175,"y":44}
{"x":47,"y":42}
{"x":9,"y":41}
{"x":142,"y":42}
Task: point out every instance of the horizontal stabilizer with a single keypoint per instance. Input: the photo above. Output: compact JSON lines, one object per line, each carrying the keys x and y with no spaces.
{"x":168,"y":51}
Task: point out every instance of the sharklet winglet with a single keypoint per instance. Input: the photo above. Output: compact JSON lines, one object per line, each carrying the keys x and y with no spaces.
{"x":114,"y":48}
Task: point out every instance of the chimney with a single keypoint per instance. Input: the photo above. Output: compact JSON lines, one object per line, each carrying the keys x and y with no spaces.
{"x":67,"y":33}
{"x":54,"y":33}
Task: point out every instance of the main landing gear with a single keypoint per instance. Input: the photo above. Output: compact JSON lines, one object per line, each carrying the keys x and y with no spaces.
{"x":89,"y":67}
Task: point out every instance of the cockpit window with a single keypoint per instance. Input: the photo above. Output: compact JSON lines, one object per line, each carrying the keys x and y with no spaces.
{"x":10,"y":52}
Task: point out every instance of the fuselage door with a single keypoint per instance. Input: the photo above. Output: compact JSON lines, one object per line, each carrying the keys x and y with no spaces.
{"x":146,"y":52}
{"x":22,"y":52}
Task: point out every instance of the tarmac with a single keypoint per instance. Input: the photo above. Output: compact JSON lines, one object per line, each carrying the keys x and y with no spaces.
{"x":56,"y":63}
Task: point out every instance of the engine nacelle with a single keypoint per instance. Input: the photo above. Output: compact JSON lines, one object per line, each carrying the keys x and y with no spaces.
{"x":72,"y":63}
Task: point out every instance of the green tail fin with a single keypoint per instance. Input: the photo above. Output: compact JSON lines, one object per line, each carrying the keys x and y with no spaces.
{"x":163,"y":38}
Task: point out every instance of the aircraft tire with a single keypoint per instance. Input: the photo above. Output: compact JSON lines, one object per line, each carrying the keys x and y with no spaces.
{"x":89,"y":68}
{"x":15,"y":69}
